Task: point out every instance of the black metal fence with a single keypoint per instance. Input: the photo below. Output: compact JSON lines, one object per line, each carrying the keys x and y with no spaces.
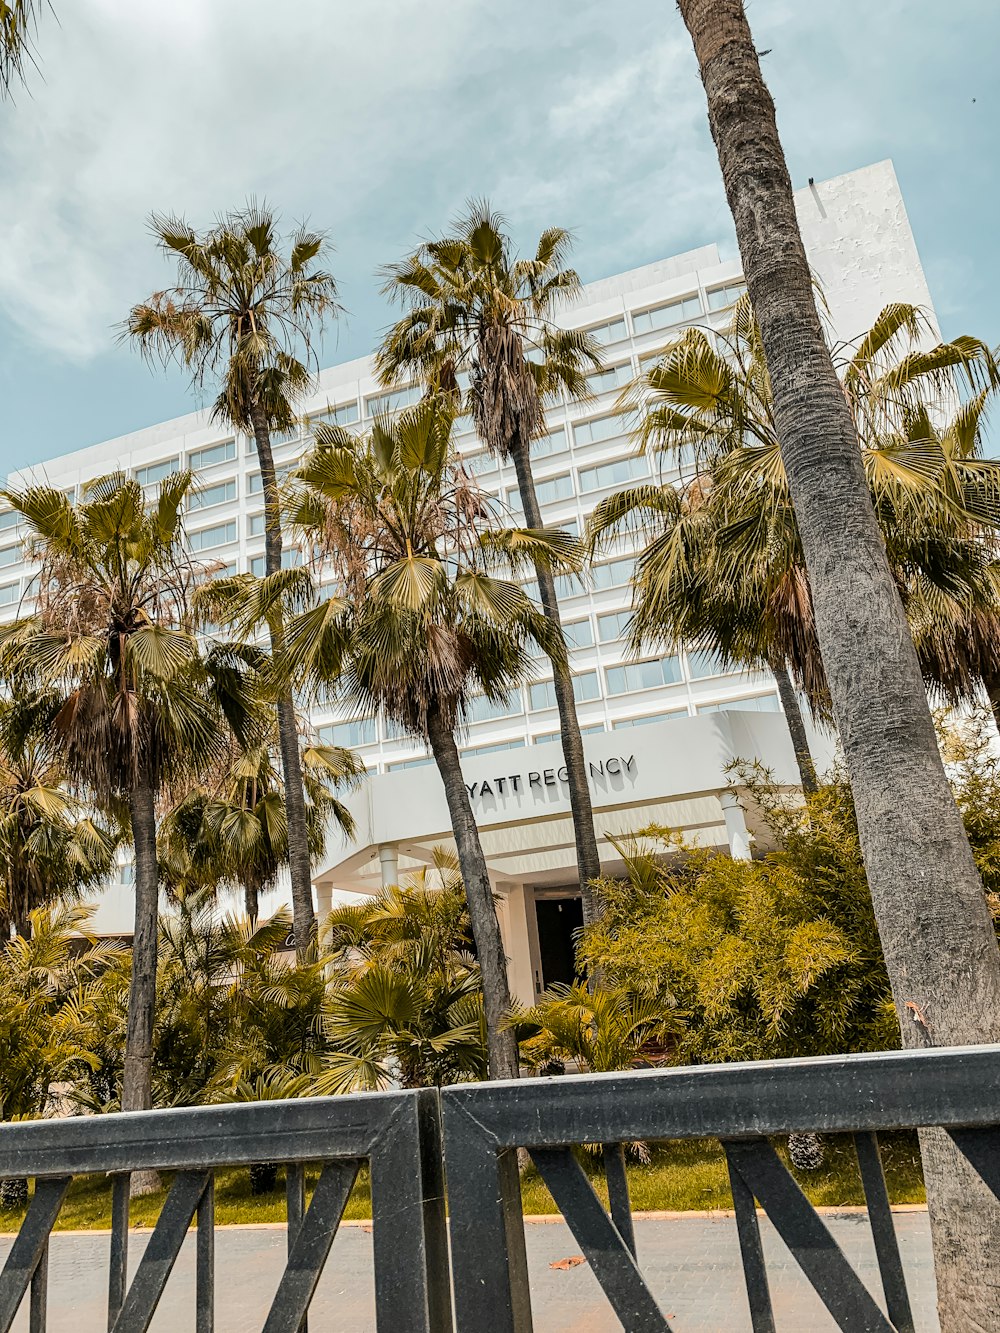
{"x":396,"y":1132}
{"x":742,"y":1106}
{"x":399,"y":1135}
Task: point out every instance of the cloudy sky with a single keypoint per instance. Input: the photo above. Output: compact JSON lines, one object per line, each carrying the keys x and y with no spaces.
{"x":375,"y":120}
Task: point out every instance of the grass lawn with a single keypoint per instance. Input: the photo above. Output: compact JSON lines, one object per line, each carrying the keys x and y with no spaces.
{"x":681,"y":1176}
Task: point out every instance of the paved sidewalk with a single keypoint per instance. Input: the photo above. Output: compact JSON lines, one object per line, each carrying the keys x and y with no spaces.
{"x":692,"y":1265}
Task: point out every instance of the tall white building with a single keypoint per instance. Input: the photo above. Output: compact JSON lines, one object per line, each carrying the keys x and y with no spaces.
{"x":863,"y":252}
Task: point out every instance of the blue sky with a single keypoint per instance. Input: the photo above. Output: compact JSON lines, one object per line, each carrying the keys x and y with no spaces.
{"x":376,"y":121}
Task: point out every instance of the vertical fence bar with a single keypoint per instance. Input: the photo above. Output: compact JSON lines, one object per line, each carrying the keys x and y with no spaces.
{"x":295,"y":1202}
{"x":890,"y":1265}
{"x":118,"y":1271}
{"x":618,"y":1196}
{"x":205,"y":1263}
{"x":752,"y":1252}
{"x":38,"y":1318}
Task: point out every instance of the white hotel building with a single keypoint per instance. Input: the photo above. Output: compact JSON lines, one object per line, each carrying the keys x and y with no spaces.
{"x":658,"y":733}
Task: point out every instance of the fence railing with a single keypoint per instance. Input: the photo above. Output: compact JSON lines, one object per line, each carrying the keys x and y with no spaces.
{"x":742,"y":1106}
{"x":399,"y":1135}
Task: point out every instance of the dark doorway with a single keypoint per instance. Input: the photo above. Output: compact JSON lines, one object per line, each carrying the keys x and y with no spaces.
{"x":558,"y":921}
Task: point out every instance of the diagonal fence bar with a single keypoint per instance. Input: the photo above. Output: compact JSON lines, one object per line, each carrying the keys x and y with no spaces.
{"x":740,"y":1105}
{"x":397,"y":1133}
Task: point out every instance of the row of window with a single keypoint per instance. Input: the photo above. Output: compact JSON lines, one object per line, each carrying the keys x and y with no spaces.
{"x":758,"y":703}
{"x":662,"y":316}
{"x":627,"y":678}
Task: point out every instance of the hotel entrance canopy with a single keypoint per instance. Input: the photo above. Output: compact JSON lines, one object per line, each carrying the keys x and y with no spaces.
{"x":676,"y":774}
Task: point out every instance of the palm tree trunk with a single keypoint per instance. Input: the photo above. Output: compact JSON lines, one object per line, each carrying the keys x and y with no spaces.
{"x":500,"y":1041}
{"x":796,"y":726}
{"x":137,"y":1078}
{"x":991,"y":683}
{"x":588,"y":858}
{"x":300,"y":869}
{"x":937,"y":936}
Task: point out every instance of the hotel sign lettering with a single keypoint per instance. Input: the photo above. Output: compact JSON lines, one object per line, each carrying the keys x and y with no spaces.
{"x":537,"y":780}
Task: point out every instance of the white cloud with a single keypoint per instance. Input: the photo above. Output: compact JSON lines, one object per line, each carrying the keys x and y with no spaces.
{"x":190,"y":107}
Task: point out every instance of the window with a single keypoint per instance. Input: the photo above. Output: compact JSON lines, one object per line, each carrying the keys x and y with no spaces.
{"x":616,"y":473}
{"x":720,"y":297}
{"x":662,"y":316}
{"x":613,"y":625}
{"x":10,"y":555}
{"x":624,"y":723}
{"x":643,"y":675}
{"x":212,"y":454}
{"x":703,"y":663}
{"x":400,"y":764}
{"x":567,"y":585}
{"x":604,"y":428}
{"x":344,"y":415}
{"x":291,"y":558}
{"x":9,"y":518}
{"x":495,"y":748}
{"x":126,"y":873}
{"x":612,"y":377}
{"x":547,"y":737}
{"x":477,"y":464}
{"x":70,"y":494}
{"x":205,"y":538}
{"x":585,"y":687}
{"x":154,"y":472}
{"x":614,"y":573}
{"x":758,"y":703}
{"x":255,"y":485}
{"x":611,"y":332}
{"x":549,"y":491}
{"x":579,"y":634}
{"x":213,"y":495}
{"x":9,"y":593}
{"x":392,"y":401}
{"x":482,"y":709}
{"x":552,"y":443}
{"x":255,"y":525}
{"x":463,"y":425}
{"x":359,"y":731}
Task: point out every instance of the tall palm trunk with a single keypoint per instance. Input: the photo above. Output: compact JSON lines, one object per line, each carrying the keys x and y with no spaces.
{"x":588,"y":858}
{"x":137,"y":1078}
{"x":991,"y":683}
{"x":500,"y":1041}
{"x":796,"y":725}
{"x":303,"y":916}
{"x":937,"y":937}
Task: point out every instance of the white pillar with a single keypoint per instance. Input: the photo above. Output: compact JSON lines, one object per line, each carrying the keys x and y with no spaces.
{"x":324,"y":901}
{"x":388,"y":859}
{"x":736,"y":825}
{"x":519,"y":905}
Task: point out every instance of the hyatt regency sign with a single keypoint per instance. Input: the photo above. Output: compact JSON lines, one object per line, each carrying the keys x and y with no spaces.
{"x":537,"y":780}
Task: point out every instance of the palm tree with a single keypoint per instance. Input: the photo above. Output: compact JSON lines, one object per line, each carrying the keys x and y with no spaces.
{"x":424,"y":621}
{"x":18,"y":20}
{"x":725,"y":564}
{"x":139,"y":706}
{"x":245,"y":314}
{"x":406,"y":1004}
{"x":234,"y":832}
{"x":478,"y":313}
{"x":49,"y":976}
{"x":52,"y":847}
{"x":940,"y":947}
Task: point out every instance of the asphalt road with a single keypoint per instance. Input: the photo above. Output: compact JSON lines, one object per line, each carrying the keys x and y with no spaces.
{"x":691,"y":1263}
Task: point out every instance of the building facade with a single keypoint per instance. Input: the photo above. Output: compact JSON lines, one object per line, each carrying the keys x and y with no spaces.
{"x":670,"y":710}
